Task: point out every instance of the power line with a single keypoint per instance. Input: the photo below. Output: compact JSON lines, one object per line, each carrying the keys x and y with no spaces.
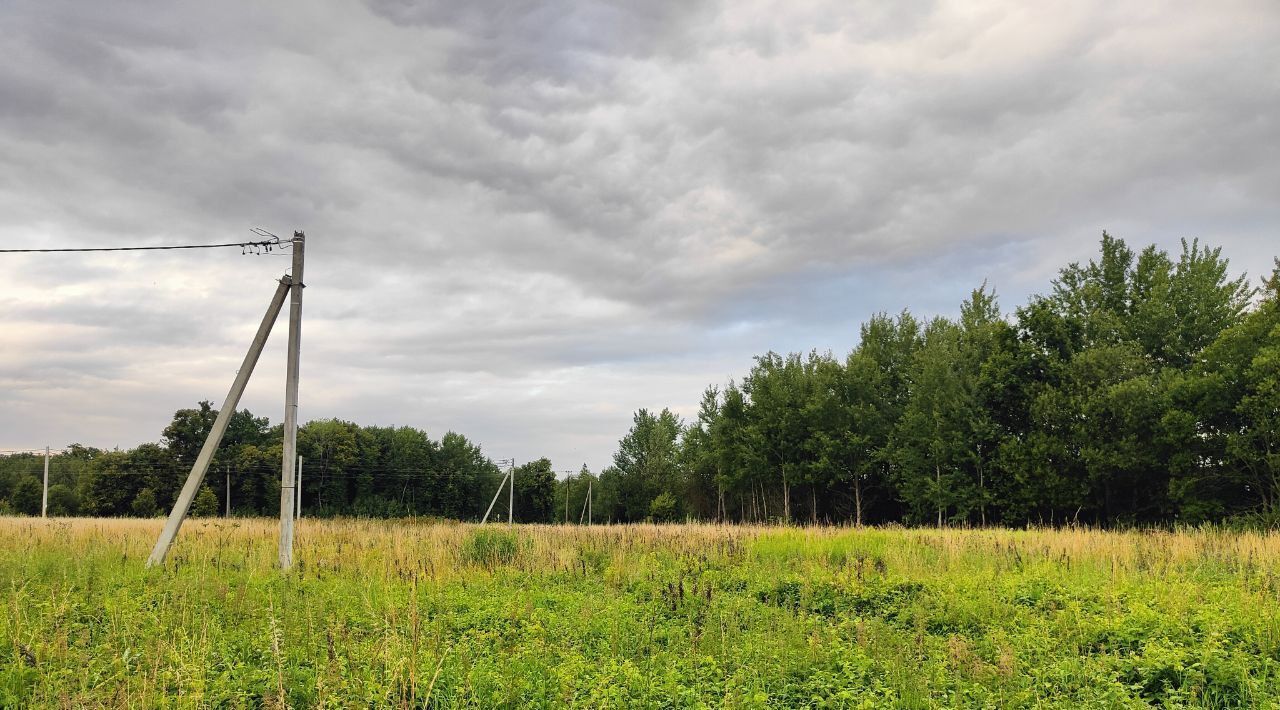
{"x":257,"y":247}
{"x":377,"y":474}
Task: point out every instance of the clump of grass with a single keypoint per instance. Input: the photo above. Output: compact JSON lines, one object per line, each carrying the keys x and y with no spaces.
{"x":593,"y":558}
{"x":492,"y":548}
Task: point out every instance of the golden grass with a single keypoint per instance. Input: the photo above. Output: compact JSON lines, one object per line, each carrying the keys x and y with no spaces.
{"x":431,"y":549}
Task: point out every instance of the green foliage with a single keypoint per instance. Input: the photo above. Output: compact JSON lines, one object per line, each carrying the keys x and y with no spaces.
{"x":26,"y":496}
{"x":535,"y":492}
{"x":144,"y":504}
{"x":454,"y":616}
{"x":647,"y":463}
{"x":206,"y":503}
{"x":1140,"y":390}
{"x":347,"y":469}
{"x":186,"y":433}
{"x":63,"y":500}
{"x":489,"y":548}
{"x":662,"y":509}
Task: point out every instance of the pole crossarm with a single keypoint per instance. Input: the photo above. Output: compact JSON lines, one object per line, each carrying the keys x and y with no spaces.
{"x":201,"y":465}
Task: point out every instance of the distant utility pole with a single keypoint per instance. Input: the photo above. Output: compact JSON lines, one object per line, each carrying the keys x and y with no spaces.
{"x":568,"y":476}
{"x":227,"y":470}
{"x":586,"y":505}
{"x":44,"y":501}
{"x":496,"y":493}
{"x":291,"y":406}
{"x":510,"y":475}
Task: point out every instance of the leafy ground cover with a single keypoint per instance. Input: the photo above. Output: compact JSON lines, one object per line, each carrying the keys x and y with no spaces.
{"x":402,"y":613}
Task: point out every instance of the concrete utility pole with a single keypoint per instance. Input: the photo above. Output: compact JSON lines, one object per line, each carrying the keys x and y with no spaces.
{"x":586,"y":505}
{"x":511,"y":492}
{"x":299,"y":508}
{"x":201,"y":465}
{"x":227,"y":470}
{"x":496,"y":493}
{"x":291,"y":405}
{"x":44,"y":501}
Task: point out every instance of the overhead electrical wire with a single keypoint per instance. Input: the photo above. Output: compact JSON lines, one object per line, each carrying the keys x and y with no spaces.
{"x":377,"y":473}
{"x":257,"y":246}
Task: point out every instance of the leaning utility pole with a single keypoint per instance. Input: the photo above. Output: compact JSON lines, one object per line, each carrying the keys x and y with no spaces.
{"x":496,"y":493}
{"x":586,"y":505}
{"x":44,"y":501}
{"x":201,"y":466}
{"x":291,"y":406}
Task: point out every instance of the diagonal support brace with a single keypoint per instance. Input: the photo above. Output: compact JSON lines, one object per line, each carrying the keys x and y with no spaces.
{"x":201,"y":466}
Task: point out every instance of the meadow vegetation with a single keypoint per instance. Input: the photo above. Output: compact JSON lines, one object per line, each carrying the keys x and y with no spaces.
{"x":440,"y":614}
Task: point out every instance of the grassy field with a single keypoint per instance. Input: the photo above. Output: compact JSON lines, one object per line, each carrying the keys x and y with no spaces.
{"x":448,"y":615}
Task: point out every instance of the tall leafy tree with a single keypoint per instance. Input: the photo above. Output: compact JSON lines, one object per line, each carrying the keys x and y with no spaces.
{"x":928,"y":444}
{"x":736,"y":443}
{"x":986,"y":371}
{"x":704,"y":491}
{"x":778,"y":389}
{"x":1235,"y":392}
{"x":647,"y":462}
{"x":535,"y":492}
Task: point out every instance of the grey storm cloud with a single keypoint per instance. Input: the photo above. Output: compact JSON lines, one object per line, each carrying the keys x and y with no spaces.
{"x":527,"y":219}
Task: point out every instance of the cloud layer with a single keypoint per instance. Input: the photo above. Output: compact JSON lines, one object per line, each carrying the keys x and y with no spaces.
{"x":528,"y":219}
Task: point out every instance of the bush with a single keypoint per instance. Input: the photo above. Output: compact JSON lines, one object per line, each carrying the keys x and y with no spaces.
{"x":63,"y":500}
{"x":144,"y":504}
{"x":663,"y":508}
{"x":206,"y":503}
{"x":26,"y":496}
{"x":491,"y":548}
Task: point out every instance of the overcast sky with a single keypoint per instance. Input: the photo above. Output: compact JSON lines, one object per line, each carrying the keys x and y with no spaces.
{"x":525,"y":220}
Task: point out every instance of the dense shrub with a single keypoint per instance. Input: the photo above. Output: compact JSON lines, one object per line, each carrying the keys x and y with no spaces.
{"x":490,"y":548}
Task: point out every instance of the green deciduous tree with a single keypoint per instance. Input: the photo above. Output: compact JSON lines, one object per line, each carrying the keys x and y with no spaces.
{"x":535,"y":492}
{"x":647,"y":462}
{"x":26,"y":496}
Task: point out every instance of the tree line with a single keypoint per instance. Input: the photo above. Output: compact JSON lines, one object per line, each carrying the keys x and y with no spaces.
{"x":1141,"y":389}
{"x":347,"y":470}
